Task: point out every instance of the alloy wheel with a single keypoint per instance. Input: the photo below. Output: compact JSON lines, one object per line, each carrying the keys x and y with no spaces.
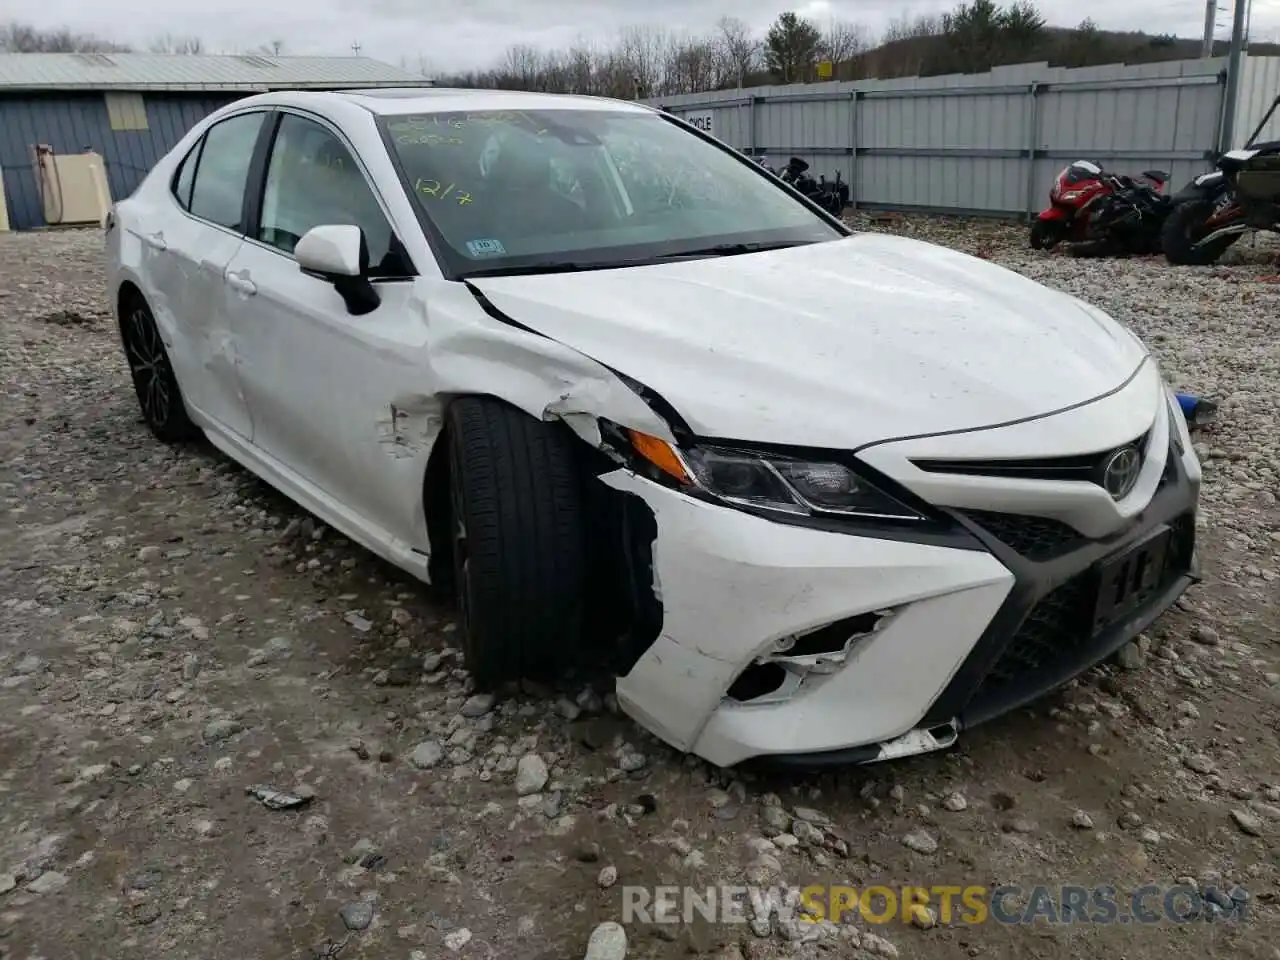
{"x":149,"y":366}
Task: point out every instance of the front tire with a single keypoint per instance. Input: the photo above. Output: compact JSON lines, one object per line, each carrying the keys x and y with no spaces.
{"x":1183,"y":229}
{"x":1047,"y":234}
{"x":154,"y":382}
{"x":518,"y":541}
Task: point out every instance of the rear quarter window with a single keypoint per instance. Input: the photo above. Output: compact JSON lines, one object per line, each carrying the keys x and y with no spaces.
{"x":185,"y":178}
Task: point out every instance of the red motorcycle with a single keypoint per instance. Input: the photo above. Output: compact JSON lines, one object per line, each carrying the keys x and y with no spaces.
{"x":1099,"y":212}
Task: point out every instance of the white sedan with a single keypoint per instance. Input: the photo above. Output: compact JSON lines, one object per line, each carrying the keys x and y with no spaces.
{"x":806,"y":493}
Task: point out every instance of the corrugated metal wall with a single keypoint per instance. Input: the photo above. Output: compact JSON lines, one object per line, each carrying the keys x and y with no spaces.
{"x":75,"y":123}
{"x":987,"y":143}
{"x":1259,"y":86}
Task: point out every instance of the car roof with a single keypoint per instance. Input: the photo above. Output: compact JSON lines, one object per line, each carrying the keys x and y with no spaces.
{"x":400,"y":100}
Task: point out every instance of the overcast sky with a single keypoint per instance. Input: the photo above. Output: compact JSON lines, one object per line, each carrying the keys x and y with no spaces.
{"x":445,"y":35}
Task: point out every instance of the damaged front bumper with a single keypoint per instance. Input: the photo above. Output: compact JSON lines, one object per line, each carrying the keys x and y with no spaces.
{"x":916,"y":641}
{"x":736,"y":588}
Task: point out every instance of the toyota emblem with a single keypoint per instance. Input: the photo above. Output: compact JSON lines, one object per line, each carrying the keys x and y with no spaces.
{"x":1121,"y":472}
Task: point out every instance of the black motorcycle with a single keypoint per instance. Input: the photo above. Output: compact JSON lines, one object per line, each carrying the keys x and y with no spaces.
{"x":832,"y":196}
{"x":1127,"y":221}
{"x":1215,"y":209}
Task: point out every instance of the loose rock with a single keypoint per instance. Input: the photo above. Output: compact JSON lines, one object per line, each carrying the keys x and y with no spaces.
{"x":920,"y":842}
{"x":608,"y":942}
{"x":1247,"y":822}
{"x":531,"y":775}
{"x":358,"y":915}
{"x":426,"y":755}
{"x":49,"y":882}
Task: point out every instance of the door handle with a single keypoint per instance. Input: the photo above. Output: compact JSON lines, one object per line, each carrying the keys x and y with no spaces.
{"x":155,"y":241}
{"x":242,"y":284}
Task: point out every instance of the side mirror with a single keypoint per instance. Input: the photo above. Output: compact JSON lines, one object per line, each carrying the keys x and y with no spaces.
{"x":333,"y":250}
{"x":339,"y":254}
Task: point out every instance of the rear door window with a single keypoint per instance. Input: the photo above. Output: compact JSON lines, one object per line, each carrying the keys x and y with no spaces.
{"x":217,"y":195}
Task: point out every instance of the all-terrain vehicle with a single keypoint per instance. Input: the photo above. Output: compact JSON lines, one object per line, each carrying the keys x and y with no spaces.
{"x":1216,"y":208}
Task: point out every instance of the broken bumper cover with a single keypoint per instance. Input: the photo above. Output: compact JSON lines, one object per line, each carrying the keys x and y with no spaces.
{"x":963,"y":633}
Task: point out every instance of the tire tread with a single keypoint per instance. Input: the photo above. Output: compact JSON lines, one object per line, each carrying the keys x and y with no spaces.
{"x":525,"y":537}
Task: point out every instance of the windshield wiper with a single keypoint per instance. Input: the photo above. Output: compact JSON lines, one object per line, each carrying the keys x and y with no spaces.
{"x":525,"y":270}
{"x":733,"y":249}
{"x":580,"y":266}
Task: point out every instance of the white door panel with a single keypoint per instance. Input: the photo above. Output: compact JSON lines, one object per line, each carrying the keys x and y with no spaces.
{"x":321,"y":384}
{"x":194,"y":233}
{"x":191,"y":306}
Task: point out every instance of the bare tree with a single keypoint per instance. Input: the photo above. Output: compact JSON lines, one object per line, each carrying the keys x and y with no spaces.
{"x":644,"y":50}
{"x":522,"y":66}
{"x":579,"y":64}
{"x":741,"y":47}
{"x":842,"y":43}
{"x":907,"y":27}
{"x":192,"y":46}
{"x":907,"y":47}
{"x":649,"y":62}
{"x":24,"y":38}
{"x":693,"y":65}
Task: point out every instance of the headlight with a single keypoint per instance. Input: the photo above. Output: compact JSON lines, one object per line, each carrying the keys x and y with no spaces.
{"x":772,"y":482}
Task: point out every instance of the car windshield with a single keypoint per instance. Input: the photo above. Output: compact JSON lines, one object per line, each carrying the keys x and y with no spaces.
{"x":535,"y":191}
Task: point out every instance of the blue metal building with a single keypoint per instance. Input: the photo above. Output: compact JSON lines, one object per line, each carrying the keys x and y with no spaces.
{"x":132,"y":108}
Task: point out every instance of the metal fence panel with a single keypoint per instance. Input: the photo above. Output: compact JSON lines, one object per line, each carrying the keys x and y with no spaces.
{"x":1259,"y":86}
{"x":990,"y":142}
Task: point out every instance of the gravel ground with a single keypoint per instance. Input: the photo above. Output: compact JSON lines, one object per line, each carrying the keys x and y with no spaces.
{"x":174,"y":634}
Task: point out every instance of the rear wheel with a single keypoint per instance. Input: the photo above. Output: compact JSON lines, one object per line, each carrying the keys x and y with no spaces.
{"x":1047,"y":234}
{"x":159,"y":396}
{"x":518,"y":541}
{"x":1184,"y":228}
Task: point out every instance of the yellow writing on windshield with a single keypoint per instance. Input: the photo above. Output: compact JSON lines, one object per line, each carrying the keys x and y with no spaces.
{"x":427,"y":139}
{"x":409,"y":126}
{"x":327,"y":160}
{"x":438,"y":191}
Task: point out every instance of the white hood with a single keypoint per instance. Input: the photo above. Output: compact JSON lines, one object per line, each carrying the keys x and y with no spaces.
{"x":834,"y":344}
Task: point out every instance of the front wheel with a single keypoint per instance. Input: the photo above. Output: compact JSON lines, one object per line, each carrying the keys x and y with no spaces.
{"x":1047,"y":234}
{"x":518,"y":541}
{"x":1185,"y":227}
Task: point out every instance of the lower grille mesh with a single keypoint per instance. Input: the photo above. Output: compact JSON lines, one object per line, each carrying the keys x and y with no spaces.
{"x":1056,"y":624}
{"x":1059,"y":629}
{"x":1036,"y":538}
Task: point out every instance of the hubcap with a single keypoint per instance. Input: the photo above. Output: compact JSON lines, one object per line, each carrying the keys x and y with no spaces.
{"x":148,"y":365}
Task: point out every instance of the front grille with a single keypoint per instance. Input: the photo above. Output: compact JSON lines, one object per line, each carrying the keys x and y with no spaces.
{"x":1059,"y":631}
{"x":1085,"y":468}
{"x":1055,"y":625}
{"x":1036,"y":538}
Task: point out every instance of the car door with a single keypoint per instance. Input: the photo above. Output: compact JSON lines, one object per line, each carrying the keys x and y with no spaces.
{"x":322,"y":384}
{"x":193,"y":249}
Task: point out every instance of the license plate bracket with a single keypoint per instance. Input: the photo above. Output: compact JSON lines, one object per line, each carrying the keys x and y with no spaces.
{"x":1129,"y":579}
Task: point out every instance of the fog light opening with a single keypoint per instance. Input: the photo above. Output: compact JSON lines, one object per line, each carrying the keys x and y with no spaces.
{"x":758,"y":680}
{"x":833,"y":638}
{"x":779,"y":675}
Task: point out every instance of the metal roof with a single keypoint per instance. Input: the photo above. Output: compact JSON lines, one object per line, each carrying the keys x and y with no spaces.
{"x":184,"y":72}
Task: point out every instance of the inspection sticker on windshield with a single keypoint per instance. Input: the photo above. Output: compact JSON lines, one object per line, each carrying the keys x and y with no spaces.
{"x":485,"y":248}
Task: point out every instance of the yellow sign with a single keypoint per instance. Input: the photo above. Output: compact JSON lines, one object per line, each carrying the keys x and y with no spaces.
{"x":824,"y":69}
